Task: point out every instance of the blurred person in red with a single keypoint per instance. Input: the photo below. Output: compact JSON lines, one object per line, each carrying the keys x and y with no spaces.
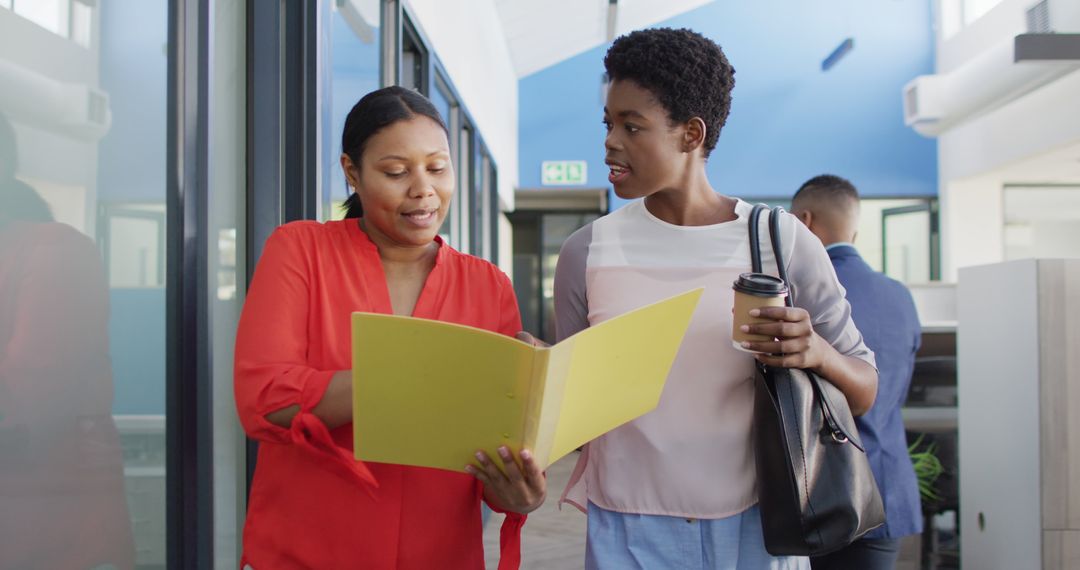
{"x":62,"y":503}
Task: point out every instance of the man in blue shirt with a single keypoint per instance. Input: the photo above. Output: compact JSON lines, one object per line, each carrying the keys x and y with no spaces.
{"x":884,"y":313}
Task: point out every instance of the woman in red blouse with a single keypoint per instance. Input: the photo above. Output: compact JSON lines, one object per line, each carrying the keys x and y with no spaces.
{"x":311,"y":504}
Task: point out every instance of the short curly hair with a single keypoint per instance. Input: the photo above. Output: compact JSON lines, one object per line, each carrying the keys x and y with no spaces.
{"x":687,"y":72}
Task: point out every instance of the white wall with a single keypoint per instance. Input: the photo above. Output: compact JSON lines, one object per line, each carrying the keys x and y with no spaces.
{"x":467,"y":36}
{"x":972,"y":218}
{"x":1006,"y":20}
{"x":977,"y":158}
{"x":1041,"y":121}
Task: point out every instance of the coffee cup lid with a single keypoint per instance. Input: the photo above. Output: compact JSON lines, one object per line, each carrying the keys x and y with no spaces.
{"x":760,"y":284}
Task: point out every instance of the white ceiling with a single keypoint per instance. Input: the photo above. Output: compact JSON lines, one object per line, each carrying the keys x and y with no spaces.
{"x":543,"y":33}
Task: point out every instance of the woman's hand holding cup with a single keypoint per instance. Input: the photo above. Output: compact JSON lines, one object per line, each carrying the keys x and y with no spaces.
{"x":794,"y":344}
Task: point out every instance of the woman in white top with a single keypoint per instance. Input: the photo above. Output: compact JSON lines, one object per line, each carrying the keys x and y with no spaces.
{"x":676,"y":488}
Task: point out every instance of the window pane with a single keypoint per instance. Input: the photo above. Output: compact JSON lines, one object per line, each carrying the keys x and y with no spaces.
{"x":478,"y":205}
{"x":951,"y":18}
{"x":1042,"y":222}
{"x":226,"y":270}
{"x":868,"y":237}
{"x":354,"y":45}
{"x":975,"y":9}
{"x":487,"y":209}
{"x":49,"y":14}
{"x":81,"y":23}
{"x":907,"y":246}
{"x":527,"y":276}
{"x":412,"y":62}
{"x":463,"y":195}
{"x":557,"y":228}
{"x":445,"y":104}
{"x":82,"y":295}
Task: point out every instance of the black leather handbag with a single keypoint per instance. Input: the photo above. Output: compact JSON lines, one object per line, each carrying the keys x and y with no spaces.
{"x":815,"y":488}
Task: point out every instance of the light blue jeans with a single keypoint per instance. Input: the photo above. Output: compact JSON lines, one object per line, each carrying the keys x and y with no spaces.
{"x":619,"y":541}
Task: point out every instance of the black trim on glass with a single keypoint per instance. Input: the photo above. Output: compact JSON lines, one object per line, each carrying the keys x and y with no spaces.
{"x":421,"y":71}
{"x":300,"y":81}
{"x":935,"y":242}
{"x":264,"y":126}
{"x":189,"y":425}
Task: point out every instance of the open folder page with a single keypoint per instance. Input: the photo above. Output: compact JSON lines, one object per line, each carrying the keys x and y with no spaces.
{"x":430,"y":394}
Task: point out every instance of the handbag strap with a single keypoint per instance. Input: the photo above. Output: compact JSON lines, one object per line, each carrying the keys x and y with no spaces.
{"x":823,"y":402}
{"x":774,"y":238}
{"x":778,"y":252}
{"x":755,"y":246}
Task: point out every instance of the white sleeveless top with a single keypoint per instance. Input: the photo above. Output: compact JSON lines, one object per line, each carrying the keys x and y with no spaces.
{"x":693,"y":455}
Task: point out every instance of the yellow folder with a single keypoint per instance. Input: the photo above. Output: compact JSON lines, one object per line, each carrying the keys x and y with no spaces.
{"x":431,"y":394}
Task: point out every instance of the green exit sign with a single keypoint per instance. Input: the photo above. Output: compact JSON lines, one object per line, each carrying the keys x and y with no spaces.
{"x":563,"y":172}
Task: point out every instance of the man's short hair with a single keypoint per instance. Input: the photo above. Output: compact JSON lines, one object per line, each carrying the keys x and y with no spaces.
{"x":827,"y":189}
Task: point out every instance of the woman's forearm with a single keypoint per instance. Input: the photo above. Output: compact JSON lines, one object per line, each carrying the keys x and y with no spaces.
{"x":335,"y":408}
{"x":854,"y":377}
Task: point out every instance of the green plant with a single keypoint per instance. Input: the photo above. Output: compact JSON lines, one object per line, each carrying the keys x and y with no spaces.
{"x":927,"y":468}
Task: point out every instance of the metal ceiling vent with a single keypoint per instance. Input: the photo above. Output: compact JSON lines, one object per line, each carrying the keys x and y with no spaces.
{"x":1038,"y":18}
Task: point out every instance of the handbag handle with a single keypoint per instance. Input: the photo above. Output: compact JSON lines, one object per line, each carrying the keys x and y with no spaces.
{"x":755,"y":247}
{"x":778,"y":252}
{"x":774,"y":237}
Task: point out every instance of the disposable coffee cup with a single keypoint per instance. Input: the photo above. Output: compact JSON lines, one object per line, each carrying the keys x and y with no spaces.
{"x":754,"y":291}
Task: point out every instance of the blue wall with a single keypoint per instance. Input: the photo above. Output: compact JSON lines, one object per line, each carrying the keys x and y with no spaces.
{"x":789,"y":119}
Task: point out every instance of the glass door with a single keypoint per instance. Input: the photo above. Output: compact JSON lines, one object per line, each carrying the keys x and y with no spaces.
{"x":83,"y":256}
{"x":909,"y":243}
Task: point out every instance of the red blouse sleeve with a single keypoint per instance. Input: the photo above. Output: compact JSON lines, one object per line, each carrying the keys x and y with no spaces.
{"x":271,"y":371}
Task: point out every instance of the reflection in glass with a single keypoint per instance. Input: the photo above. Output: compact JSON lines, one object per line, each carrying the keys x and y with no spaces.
{"x":226,"y":261}
{"x":82,"y":296}
{"x":486,"y":203}
{"x":445,"y":104}
{"x":62,"y":476}
{"x":354,"y":59}
{"x":53,"y":15}
{"x":462,"y":204}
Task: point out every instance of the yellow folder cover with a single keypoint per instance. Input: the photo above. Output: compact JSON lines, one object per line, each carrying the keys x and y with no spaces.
{"x":431,"y":394}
